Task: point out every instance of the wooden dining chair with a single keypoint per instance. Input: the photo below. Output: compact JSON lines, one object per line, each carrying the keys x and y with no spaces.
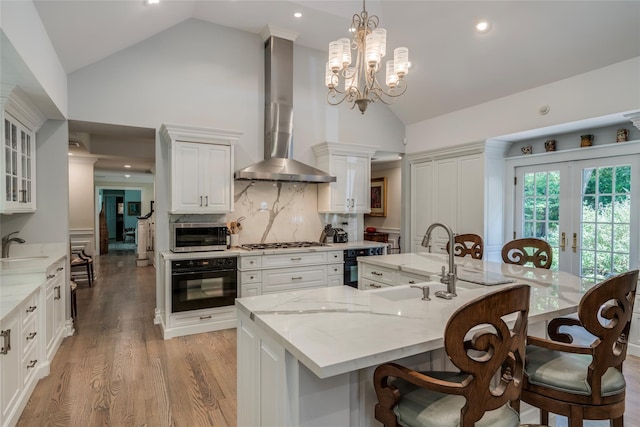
{"x":467,"y":244}
{"x":522,"y":251}
{"x":486,"y":391}
{"x":80,"y":258}
{"x":582,"y":378}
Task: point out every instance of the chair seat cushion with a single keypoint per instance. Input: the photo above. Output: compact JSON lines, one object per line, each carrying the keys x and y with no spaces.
{"x":425,"y":408}
{"x":567,"y":372}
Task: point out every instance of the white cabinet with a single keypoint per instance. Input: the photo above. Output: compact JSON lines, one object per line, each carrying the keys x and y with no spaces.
{"x":55,"y":292}
{"x":10,"y":357}
{"x":634,"y":340}
{"x":351,"y":165}
{"x":282,"y":272}
{"x":461,"y":187}
{"x":201,"y":169}
{"x":20,"y":357}
{"x":19,"y":124}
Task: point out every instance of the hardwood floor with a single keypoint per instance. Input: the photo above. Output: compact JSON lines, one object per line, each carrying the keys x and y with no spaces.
{"x":118,"y":371}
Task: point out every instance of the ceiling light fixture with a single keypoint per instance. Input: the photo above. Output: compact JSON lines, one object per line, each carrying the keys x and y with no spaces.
{"x":127,"y":176}
{"x":483,"y":26}
{"x":298,"y":15}
{"x":361,"y":85}
{"x":153,"y":1}
{"x":127,"y":166}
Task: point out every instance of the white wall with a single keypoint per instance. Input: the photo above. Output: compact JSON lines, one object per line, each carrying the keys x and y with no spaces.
{"x":22,"y":26}
{"x":50,"y":222}
{"x":602,"y":92}
{"x":81,"y":206}
{"x":201,"y":74}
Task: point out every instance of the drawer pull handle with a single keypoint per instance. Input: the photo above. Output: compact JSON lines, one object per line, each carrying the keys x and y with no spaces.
{"x":50,"y":276}
{"x":32,"y":335}
{"x":411,"y":282}
{"x":57,"y":289}
{"x":375,"y":286}
{"x":297,"y":278}
{"x":32,"y":364}
{"x":31,"y":309}
{"x":205,"y":317}
{"x":6,"y":335}
{"x":59,"y":268}
{"x":375,"y":273}
{"x":296,"y":259}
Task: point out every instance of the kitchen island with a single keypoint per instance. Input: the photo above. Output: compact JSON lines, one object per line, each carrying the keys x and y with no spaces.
{"x":307,"y":358}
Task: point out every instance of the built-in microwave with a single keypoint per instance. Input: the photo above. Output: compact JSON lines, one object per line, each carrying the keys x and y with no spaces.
{"x":198,"y":236}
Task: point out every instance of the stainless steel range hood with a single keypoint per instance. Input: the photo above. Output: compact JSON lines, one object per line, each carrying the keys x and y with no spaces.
{"x":278,"y":164}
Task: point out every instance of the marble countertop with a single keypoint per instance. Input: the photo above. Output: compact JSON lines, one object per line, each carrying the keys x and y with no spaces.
{"x":20,"y":277}
{"x":168,"y":255}
{"x":341,"y":329}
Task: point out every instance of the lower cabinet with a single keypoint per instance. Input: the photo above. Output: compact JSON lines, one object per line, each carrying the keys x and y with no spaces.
{"x":375,"y":277}
{"x":264,"y":274}
{"x":55,"y":307}
{"x":20,"y":357}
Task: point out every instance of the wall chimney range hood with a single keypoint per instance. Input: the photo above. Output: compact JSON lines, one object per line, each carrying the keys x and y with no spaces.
{"x":278,"y":164}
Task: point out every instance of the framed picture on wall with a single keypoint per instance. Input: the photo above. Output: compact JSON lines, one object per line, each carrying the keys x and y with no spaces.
{"x":133,"y":208}
{"x":378,"y":197}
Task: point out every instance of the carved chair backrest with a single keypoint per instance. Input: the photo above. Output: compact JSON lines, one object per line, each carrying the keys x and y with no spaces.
{"x":522,"y":251}
{"x":494,"y":349}
{"x":606,"y":311}
{"x":467,"y":244}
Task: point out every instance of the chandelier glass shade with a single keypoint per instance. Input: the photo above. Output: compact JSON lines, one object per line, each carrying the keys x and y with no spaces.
{"x":358,"y":84}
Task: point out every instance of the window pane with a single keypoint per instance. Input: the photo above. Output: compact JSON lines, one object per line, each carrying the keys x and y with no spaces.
{"x":541,"y":209}
{"x":603,"y":266}
{"x":541,"y":230}
{"x":605,"y":209}
{"x":528,"y":229}
{"x":528,"y":209}
{"x":554,"y":183}
{"x":541,"y":184}
{"x":620,"y":263}
{"x":622,"y":209}
{"x":588,"y":263}
{"x":621,"y":237}
{"x":528,"y":184}
{"x":589,"y":208}
{"x":604,"y":238}
{"x":605,"y":180}
{"x":588,"y":181}
{"x":623,"y":179}
{"x":553,"y":234}
{"x":554,"y":208}
{"x":588,"y":235}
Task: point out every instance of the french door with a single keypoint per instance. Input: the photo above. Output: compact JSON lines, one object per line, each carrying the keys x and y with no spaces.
{"x":587,"y":210}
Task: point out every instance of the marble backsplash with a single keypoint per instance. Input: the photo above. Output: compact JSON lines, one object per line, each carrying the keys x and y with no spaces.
{"x":285,"y":212}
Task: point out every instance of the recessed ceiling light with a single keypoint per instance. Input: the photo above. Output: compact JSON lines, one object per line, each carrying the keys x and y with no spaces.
{"x":153,"y":1}
{"x":71,"y":154}
{"x":483,"y":26}
{"x":127,"y":176}
{"x":298,"y":15}
{"x":127,"y":166}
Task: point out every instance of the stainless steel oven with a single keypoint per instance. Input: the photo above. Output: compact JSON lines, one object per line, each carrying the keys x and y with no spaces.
{"x":203,"y":283}
{"x":198,"y":236}
{"x":351,"y":263}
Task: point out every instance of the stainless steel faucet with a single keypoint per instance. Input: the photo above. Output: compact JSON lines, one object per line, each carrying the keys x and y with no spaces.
{"x":6,"y":243}
{"x":451,"y":276}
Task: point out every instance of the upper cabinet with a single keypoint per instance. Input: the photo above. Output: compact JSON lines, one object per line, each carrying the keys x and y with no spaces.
{"x":20,"y":122}
{"x":351,"y":165}
{"x":201,"y":169}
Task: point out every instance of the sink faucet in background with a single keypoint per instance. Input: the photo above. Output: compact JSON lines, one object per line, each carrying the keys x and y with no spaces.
{"x":6,"y":243}
{"x":451,"y":276}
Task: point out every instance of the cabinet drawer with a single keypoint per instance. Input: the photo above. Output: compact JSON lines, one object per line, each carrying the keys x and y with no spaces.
{"x":30,"y":364}
{"x":198,"y":317}
{"x":293,"y":259}
{"x":335,"y":256}
{"x":288,"y":279}
{"x":335,"y":269}
{"x":248,"y":262}
{"x":379,"y":274}
{"x":335,"y":280}
{"x":30,"y":308}
{"x":411,"y":278}
{"x":29,"y":334}
{"x":250,"y":277}
{"x":366,"y":284}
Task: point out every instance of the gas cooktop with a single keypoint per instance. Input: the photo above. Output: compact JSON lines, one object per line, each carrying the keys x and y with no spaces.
{"x":283,"y":245}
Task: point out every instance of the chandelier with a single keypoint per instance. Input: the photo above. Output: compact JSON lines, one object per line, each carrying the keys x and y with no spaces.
{"x":358,"y":85}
